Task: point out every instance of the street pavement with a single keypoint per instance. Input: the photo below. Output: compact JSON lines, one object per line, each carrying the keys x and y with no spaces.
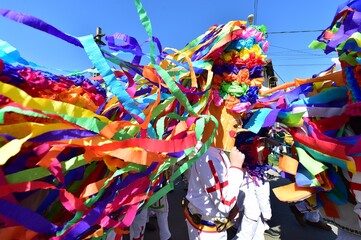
{"x":282,"y":220}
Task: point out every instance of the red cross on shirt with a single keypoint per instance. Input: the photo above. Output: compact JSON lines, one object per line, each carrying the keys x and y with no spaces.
{"x":218,"y":185}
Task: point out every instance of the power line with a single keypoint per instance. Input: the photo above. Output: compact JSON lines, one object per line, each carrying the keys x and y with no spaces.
{"x":296,"y":58}
{"x":299,"y":31}
{"x":279,"y":76}
{"x":295,"y":50}
{"x":304,"y":50}
{"x":297,"y":55}
{"x":287,"y":51}
{"x":302,"y":64}
{"x":255,"y":10}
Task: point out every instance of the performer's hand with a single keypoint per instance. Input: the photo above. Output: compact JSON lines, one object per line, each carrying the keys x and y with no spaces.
{"x":236,"y":157}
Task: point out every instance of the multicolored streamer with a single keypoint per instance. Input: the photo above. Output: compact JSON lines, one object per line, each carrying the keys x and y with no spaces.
{"x":83,"y":153}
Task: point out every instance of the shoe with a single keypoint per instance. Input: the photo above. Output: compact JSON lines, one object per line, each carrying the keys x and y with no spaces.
{"x":320,"y":224}
{"x":298,"y":215}
{"x":272,"y":233}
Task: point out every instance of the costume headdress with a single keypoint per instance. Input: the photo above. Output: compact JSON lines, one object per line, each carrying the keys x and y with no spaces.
{"x":235,"y":55}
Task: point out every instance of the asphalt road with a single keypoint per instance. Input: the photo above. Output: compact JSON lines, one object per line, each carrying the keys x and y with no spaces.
{"x":282,"y":219}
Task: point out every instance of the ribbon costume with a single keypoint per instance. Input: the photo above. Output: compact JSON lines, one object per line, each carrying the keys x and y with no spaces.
{"x":214,"y":182}
{"x":82,"y":154}
{"x":93,"y":146}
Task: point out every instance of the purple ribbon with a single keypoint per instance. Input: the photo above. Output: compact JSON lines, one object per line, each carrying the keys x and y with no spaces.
{"x":273,"y":97}
{"x":18,"y":162}
{"x":256,"y":72}
{"x":62,"y":135}
{"x":271,"y":118}
{"x":27,"y":218}
{"x":39,"y":24}
{"x":131,"y":45}
{"x":93,"y":216}
{"x":298,"y":93}
{"x":351,"y":24}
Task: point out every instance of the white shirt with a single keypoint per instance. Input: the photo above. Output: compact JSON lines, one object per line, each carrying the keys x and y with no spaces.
{"x":213,"y":185}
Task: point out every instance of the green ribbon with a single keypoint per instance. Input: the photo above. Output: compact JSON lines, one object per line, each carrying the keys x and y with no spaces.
{"x":235,"y":89}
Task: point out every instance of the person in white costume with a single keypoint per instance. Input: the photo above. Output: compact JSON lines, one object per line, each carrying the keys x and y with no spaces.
{"x":213,"y":188}
{"x":255,"y":208}
{"x":136,"y":229}
{"x":161,"y":209}
{"x":254,"y":197}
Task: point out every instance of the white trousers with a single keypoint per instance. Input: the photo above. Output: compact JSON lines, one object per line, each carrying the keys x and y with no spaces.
{"x":111,"y":236}
{"x":250,"y":229}
{"x":137,"y":229}
{"x":162,"y":219}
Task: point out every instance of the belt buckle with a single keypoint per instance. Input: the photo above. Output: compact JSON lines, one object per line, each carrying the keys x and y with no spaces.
{"x":222,"y":226}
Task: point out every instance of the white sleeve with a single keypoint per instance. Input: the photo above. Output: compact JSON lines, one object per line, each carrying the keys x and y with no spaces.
{"x":220,"y":181}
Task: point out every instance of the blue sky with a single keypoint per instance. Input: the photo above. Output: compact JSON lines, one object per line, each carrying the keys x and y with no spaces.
{"x":175,"y":23}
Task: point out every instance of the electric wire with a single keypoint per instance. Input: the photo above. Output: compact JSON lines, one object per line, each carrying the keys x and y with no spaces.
{"x":302,"y":64}
{"x":255,"y":10}
{"x":295,"y":50}
{"x":299,"y":31}
{"x":279,"y":76}
{"x":290,"y":57}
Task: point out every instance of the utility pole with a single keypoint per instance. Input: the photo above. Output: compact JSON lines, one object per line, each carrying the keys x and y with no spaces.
{"x":98,"y":40}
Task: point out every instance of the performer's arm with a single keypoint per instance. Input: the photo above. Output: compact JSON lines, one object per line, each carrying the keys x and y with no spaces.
{"x":222,"y":182}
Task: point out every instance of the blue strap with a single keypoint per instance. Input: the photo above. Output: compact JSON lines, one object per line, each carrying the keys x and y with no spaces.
{"x":95,"y":55}
{"x":203,"y":222}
